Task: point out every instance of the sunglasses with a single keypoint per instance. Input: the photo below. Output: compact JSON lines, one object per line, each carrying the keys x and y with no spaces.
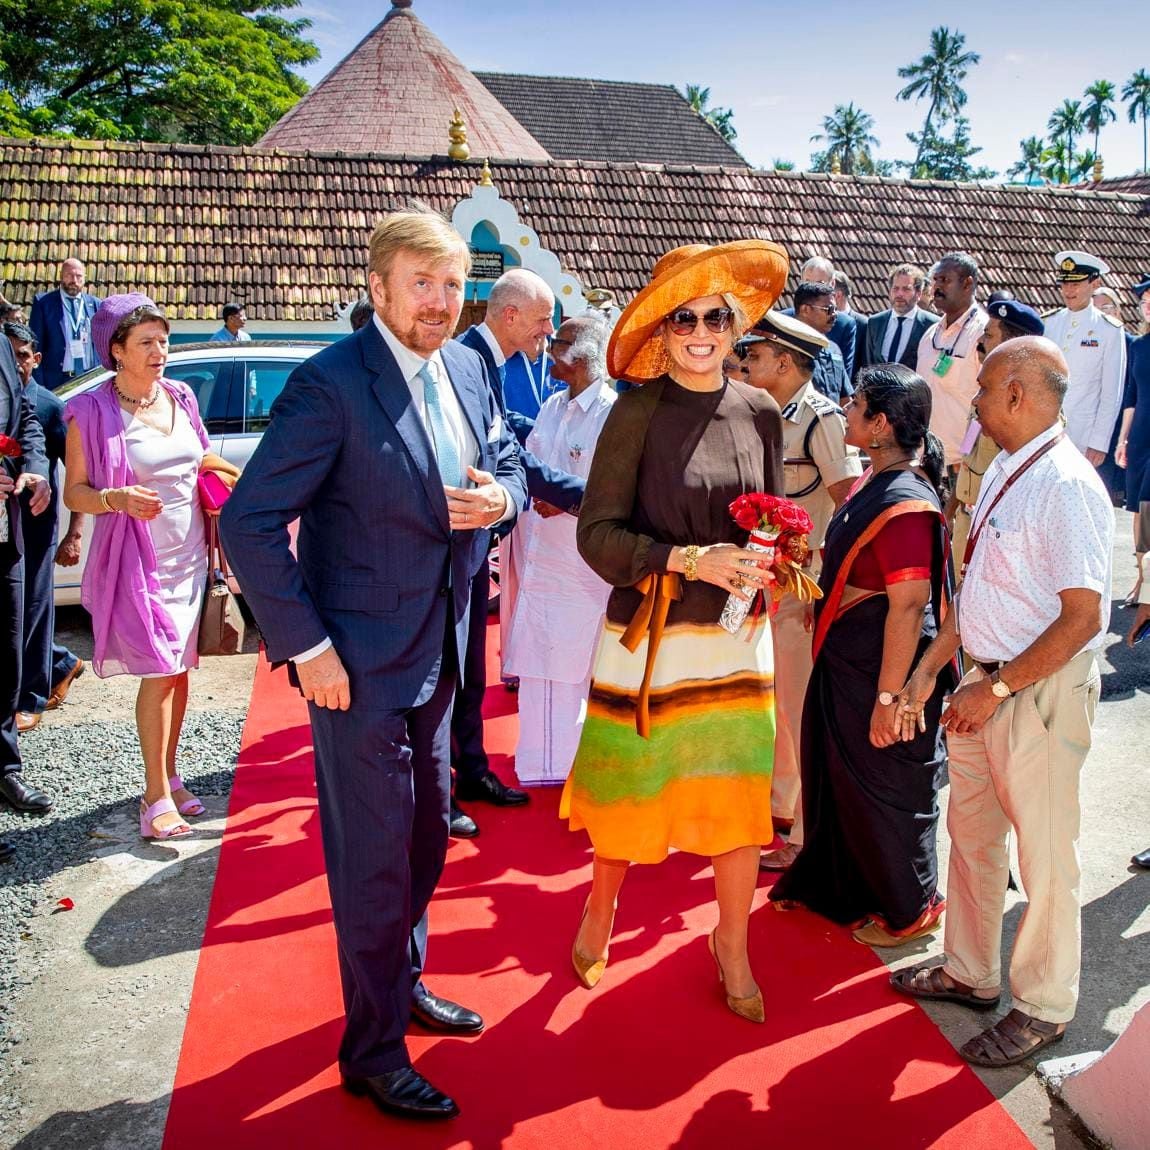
{"x":684,"y":321}
{"x":829,"y":308}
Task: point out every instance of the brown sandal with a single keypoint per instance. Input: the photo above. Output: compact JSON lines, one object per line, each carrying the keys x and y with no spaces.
{"x":928,"y":982}
{"x":1011,"y":1040}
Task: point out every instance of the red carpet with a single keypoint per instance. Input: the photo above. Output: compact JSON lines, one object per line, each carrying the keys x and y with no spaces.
{"x":650,"y":1059}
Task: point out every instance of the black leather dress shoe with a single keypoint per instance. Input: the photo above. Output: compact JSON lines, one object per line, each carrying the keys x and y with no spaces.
{"x":404,"y":1093}
{"x":7,"y":850}
{"x":23,"y":796}
{"x":463,"y":826}
{"x":1142,"y":859}
{"x":437,"y":1013}
{"x":489,"y":788}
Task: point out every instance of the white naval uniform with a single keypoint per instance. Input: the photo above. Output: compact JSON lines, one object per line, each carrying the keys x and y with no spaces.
{"x":829,"y":462}
{"x":1095,"y":351}
{"x":558,"y":611}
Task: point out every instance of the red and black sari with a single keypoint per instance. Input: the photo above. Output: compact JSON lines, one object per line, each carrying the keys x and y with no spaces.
{"x":870,"y":813}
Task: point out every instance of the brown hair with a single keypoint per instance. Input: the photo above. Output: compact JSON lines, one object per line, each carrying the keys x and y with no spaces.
{"x":145,"y":313}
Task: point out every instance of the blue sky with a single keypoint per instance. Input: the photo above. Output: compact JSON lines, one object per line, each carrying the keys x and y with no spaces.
{"x":783,"y":67}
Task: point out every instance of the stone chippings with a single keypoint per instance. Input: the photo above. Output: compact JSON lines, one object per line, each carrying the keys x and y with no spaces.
{"x":92,"y":770}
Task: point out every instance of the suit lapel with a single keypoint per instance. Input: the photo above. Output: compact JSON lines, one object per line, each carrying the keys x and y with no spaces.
{"x":391,"y":390}
{"x":468,"y":390}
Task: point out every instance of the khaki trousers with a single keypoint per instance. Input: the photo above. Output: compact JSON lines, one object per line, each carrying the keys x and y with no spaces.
{"x":792,"y":673}
{"x":1021,"y":770}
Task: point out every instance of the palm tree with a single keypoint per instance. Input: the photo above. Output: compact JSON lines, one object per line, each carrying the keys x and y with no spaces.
{"x":1136,"y":94}
{"x":1099,"y":109}
{"x":1064,"y":124}
{"x":1030,"y":163}
{"x":719,"y":118}
{"x":938,"y":75}
{"x":849,"y":140}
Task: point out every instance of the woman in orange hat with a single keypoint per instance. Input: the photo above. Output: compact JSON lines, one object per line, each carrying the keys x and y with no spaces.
{"x":678,"y":743}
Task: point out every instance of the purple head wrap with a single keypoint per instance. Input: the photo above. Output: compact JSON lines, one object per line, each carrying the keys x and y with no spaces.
{"x":108,"y":317}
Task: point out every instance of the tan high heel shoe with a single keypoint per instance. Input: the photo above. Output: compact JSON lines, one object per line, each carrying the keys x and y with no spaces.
{"x":588,"y":970}
{"x":751,"y":1008}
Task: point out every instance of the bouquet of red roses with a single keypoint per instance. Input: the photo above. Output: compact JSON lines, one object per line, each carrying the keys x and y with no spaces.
{"x":779,"y":526}
{"x":9,"y":449}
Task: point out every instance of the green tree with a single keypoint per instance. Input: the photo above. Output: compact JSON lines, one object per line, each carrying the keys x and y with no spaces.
{"x":721,"y":119}
{"x":1136,"y":96}
{"x":943,"y":157}
{"x":849,"y":141}
{"x":1064,"y":124}
{"x":1030,"y":163}
{"x":197,"y":71}
{"x":1099,"y":109}
{"x":781,"y":165}
{"x":938,"y":75}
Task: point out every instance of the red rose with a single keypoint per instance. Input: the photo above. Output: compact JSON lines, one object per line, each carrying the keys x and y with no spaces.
{"x":744,"y":512}
{"x":10,"y":448}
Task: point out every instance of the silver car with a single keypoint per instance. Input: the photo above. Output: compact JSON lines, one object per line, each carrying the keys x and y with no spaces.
{"x":235,"y":384}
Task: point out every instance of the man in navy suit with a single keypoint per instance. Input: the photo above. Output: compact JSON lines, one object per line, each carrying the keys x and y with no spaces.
{"x":62,"y":321}
{"x":893,"y":335}
{"x":49,"y":668}
{"x":389,"y":448}
{"x":842,"y":330}
{"x":520,"y":311}
{"x":26,"y":471}
{"x":844,"y":289}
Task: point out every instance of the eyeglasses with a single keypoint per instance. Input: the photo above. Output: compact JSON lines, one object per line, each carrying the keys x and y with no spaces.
{"x":554,"y":341}
{"x":684,"y":321}
{"x":829,"y":308}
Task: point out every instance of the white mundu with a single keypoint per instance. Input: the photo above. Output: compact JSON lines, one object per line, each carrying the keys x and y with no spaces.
{"x":560,"y":603}
{"x":1095,"y":351}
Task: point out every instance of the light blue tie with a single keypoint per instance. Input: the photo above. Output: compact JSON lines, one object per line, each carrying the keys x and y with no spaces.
{"x":450,"y":469}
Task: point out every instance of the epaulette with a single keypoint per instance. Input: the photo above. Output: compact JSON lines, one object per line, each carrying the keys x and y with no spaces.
{"x":1052,"y":311}
{"x":821,"y":405}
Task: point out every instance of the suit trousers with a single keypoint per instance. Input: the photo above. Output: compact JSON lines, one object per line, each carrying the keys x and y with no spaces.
{"x":467,"y":754}
{"x":1022,"y":771}
{"x":45,"y":661}
{"x":11,"y":652}
{"x":793,"y":663}
{"x":383,"y":779}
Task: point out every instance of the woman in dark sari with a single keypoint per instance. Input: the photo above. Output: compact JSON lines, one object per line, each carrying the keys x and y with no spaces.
{"x":870,"y":801}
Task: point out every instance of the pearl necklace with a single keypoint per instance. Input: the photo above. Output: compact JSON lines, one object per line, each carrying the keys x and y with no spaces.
{"x":142,"y":404}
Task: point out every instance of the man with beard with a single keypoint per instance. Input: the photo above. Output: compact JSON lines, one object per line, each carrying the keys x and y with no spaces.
{"x":948,"y":351}
{"x":62,"y":323}
{"x":893,"y":335}
{"x":389,"y":448}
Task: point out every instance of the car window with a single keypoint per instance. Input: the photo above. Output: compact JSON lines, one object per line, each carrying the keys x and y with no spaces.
{"x":263,"y":381}
{"x":209,"y":380}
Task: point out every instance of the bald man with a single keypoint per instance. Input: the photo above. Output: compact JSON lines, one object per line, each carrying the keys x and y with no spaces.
{"x":1031,"y":615}
{"x":62,"y":321}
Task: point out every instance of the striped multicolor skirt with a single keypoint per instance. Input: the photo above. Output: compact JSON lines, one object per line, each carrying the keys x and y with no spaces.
{"x":702,"y":781}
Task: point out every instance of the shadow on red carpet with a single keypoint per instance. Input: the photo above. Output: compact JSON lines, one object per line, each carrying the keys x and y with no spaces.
{"x":652,"y":1058}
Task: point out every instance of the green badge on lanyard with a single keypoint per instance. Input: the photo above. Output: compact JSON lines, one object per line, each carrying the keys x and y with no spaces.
{"x":944,"y":363}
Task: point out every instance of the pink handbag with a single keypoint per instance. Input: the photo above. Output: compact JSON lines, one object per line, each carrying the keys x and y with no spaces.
{"x":214,"y":492}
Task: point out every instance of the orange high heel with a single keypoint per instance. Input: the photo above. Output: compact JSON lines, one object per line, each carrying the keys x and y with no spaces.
{"x":588,"y":970}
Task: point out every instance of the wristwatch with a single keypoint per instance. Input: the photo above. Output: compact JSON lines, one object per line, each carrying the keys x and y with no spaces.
{"x":998,"y":688}
{"x":885,"y":698}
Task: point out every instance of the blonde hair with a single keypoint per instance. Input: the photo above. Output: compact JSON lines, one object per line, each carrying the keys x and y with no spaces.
{"x":740,"y":321}
{"x":415,"y":229}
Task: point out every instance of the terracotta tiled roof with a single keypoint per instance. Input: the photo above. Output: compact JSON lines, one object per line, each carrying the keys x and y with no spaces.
{"x":395,"y":93}
{"x":610,"y":120}
{"x":286,"y":233}
{"x":1134,"y":185}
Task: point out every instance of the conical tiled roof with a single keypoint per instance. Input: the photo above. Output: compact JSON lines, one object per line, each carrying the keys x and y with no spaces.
{"x":395,"y":94}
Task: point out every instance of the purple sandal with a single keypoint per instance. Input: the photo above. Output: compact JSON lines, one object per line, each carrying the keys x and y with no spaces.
{"x":191,"y":806}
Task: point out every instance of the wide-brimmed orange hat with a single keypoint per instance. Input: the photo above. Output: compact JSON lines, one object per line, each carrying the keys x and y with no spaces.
{"x":753,"y":271}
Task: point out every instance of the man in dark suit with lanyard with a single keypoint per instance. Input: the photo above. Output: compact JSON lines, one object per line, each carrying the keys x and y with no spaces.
{"x":389,"y":448}
{"x":23,"y":467}
{"x":520,"y":311}
{"x":62,"y":321}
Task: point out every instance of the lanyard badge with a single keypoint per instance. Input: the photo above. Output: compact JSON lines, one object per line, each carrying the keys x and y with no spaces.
{"x":944,"y":364}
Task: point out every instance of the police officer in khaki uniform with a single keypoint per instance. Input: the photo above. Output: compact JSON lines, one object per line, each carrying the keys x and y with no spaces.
{"x":1095,"y":350}
{"x":1008,"y":319}
{"x":779,"y":355}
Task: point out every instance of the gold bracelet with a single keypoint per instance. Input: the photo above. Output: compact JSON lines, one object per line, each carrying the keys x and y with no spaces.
{"x":104,"y":500}
{"x":691,"y":563}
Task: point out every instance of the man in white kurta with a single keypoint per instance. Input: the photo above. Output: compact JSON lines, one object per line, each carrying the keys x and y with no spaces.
{"x":560,"y":604}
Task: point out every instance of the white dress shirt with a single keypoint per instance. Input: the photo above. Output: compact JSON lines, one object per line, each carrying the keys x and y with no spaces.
{"x":1053,"y":530}
{"x":492,"y":343}
{"x":953,"y":392}
{"x":1095,"y":351}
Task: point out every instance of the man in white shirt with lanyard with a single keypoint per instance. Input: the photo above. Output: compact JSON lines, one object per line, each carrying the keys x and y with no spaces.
{"x":948,"y":352}
{"x":1030,"y":615}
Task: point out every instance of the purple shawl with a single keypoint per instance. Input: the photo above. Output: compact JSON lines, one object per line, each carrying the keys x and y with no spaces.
{"x":132,"y":632}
